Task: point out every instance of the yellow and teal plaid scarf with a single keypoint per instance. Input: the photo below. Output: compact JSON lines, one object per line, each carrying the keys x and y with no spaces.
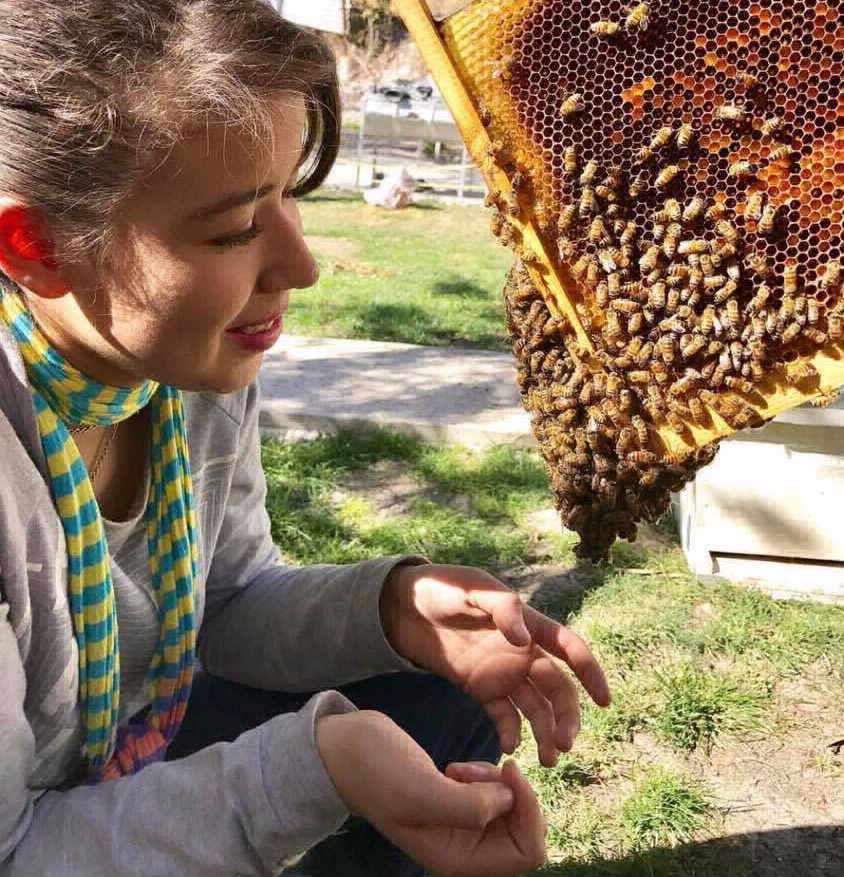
{"x":63,"y":395}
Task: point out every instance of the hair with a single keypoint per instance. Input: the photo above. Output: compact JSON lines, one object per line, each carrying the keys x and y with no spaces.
{"x":94,"y":93}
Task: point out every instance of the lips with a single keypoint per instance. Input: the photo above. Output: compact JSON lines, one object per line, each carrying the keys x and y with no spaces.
{"x":257,"y":327}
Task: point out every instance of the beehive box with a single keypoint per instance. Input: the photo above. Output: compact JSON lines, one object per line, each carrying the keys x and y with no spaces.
{"x":768,"y":510}
{"x":672,"y":182}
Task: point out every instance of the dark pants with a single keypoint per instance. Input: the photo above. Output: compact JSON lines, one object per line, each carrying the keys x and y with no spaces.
{"x":442,"y":719}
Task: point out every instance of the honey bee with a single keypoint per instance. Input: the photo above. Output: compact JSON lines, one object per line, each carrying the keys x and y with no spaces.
{"x":801,"y":371}
{"x":659,"y":231}
{"x":831,"y":276}
{"x":826,"y":397}
{"x":575,"y":459}
{"x":772,"y":126}
{"x":637,"y":186}
{"x":724,"y":293}
{"x":649,"y":260}
{"x":748,"y":80}
{"x":715,"y":212}
{"x":714,"y":281}
{"x":571,"y":105}
{"x":754,"y":205}
{"x":833,"y":326}
{"x":694,"y":209}
{"x":637,"y":376}
{"x":706,"y":320}
{"x":496,"y":223}
{"x":696,"y":245}
{"x":570,"y":161}
{"x":684,"y":136}
{"x":659,"y":371}
{"x":605,"y":193}
{"x":580,"y":267}
{"x":567,"y":215}
{"x":629,"y":233}
{"x":644,"y":154}
{"x":593,"y":274}
{"x":672,"y":300}
{"x":791,"y":331}
{"x":597,"y":231}
{"x":666,"y":348}
{"x":612,"y":259}
{"x":730,"y":113}
{"x":662,"y":137}
{"x":644,"y":355}
{"x":613,"y":284}
{"x":624,"y":305}
{"x":512,"y":203}
{"x":767,"y":220}
{"x":781,"y":153}
{"x":484,"y":114}
{"x":604,"y":28}
{"x":656,"y":296}
{"x":789,"y":280}
{"x":641,"y":429}
{"x":760,"y":299}
{"x":666,"y":176}
{"x":677,"y":423}
{"x":587,"y":202}
{"x":639,"y":17}
{"x":727,"y":230}
{"x":612,"y":328}
{"x":733,"y":314}
{"x":742,"y":169}
{"x":672,"y":238}
{"x":693,"y":347}
{"x":565,"y":249}
{"x":759,"y":264}
{"x":589,"y":171}
{"x":814,"y":335}
{"x":646,"y":457}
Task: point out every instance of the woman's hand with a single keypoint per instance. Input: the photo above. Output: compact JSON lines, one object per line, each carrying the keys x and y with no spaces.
{"x":464,"y":625}
{"x":457,"y":825}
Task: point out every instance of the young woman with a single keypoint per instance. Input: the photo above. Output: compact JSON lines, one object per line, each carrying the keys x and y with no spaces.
{"x":151,"y":157}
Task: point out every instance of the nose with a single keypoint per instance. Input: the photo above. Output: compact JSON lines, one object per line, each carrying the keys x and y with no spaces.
{"x":290,"y":264}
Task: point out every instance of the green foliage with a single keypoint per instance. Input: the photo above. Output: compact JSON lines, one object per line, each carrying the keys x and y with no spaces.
{"x":403,"y":282}
{"x":664,"y":808}
{"x":700,"y":704}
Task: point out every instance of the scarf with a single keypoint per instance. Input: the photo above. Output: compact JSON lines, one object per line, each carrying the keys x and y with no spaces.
{"x":62,"y":395}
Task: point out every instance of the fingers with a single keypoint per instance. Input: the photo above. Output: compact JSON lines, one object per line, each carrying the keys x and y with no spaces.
{"x":526,"y":823}
{"x":568,"y":646}
{"x":560,"y":692}
{"x":507,"y":722}
{"x":538,"y":711}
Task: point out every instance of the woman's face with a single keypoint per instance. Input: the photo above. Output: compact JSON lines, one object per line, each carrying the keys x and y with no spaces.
{"x":209,"y":246}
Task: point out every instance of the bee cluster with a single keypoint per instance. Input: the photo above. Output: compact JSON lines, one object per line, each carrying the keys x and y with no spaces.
{"x":598,"y":447}
{"x":683,"y":317}
{"x":683,"y":174}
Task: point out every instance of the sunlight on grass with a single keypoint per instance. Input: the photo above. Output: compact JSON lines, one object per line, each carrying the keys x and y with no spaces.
{"x":664,"y":808}
{"x":386,"y":277}
{"x":701,"y":704}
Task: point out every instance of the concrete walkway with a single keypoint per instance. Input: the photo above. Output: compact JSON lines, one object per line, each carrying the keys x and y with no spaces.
{"x":314,"y":385}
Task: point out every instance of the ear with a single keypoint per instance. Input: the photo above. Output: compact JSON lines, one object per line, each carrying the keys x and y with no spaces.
{"x":26,"y":251}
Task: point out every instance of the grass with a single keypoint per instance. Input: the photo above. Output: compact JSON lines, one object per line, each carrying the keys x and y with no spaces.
{"x":698,"y":672}
{"x":663,"y":808}
{"x":427,"y":274}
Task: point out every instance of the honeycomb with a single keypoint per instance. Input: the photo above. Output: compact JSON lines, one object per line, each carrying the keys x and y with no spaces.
{"x":671,"y":179}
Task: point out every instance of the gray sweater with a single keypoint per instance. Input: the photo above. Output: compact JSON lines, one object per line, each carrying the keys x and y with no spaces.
{"x":250,"y":807}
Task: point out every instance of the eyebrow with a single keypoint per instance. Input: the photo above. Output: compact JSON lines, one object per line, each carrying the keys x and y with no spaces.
{"x":230,"y":202}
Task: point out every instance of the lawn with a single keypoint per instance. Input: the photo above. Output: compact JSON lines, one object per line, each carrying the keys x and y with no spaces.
{"x":714,"y":758}
{"x":427,"y":274}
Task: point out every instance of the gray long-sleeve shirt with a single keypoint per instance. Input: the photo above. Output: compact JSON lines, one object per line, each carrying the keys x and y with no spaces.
{"x":249,"y":807}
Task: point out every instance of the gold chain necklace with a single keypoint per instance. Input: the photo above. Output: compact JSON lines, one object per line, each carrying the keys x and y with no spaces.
{"x":102,"y":450}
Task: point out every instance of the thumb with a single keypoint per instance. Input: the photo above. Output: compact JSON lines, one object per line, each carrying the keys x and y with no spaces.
{"x":465,"y":805}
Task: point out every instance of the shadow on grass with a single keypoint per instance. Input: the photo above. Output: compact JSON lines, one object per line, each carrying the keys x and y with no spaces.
{"x":805,"y":851}
{"x":460,"y":288}
{"x":411,"y":324}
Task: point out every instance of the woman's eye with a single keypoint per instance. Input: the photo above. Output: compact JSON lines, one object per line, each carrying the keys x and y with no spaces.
{"x":240,"y":239}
